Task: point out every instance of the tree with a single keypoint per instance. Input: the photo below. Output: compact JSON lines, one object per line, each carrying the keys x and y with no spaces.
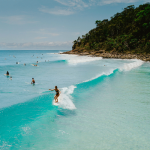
{"x":97,"y":22}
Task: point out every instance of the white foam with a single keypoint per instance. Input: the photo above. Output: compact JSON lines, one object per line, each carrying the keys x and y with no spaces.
{"x":128,"y":66}
{"x":65,"y":98}
{"x":52,"y":53}
{"x":5,"y":145}
{"x":75,"y":59}
{"x":101,"y":74}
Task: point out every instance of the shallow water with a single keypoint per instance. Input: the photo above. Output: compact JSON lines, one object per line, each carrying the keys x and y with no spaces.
{"x":104,"y":103}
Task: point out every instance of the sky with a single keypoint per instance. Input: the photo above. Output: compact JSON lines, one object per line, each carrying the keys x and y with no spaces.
{"x":52,"y":24}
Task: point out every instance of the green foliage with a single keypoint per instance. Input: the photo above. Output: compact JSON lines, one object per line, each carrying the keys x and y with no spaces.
{"x":97,"y":22}
{"x":125,"y":31}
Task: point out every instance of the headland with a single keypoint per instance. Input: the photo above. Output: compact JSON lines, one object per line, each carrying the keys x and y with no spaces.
{"x":125,"y":36}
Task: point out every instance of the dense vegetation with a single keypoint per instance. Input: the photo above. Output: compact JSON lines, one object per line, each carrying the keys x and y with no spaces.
{"x":128,"y":31}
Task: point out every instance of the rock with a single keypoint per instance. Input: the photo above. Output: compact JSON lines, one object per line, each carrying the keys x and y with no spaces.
{"x":85,"y":53}
{"x":148,"y":59}
{"x":97,"y":54}
{"x":101,"y":51}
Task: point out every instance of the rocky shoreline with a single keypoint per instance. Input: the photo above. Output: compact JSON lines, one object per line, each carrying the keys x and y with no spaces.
{"x":105,"y":54}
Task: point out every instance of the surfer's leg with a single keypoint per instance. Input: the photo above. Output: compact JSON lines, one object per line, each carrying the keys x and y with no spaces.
{"x":55,"y":97}
{"x":56,"y":100}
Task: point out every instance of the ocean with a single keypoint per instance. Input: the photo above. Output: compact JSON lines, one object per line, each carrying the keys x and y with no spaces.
{"x":104,"y":103}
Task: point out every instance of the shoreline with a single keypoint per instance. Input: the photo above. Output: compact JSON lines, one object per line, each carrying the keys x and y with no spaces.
{"x":104,"y":54}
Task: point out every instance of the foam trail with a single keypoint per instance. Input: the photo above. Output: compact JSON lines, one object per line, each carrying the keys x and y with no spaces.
{"x":65,"y":97}
{"x":129,"y":66}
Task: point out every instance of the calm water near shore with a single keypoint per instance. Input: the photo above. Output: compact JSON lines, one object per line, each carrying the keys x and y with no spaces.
{"x":104,"y":103}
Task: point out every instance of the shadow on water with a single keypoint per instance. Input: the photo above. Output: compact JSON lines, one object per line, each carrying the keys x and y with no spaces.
{"x":66,"y":112}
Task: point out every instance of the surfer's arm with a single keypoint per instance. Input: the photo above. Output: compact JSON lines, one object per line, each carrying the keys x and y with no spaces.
{"x":51,"y":89}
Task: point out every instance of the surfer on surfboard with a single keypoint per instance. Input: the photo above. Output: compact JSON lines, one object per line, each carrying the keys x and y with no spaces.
{"x":57,"y":93}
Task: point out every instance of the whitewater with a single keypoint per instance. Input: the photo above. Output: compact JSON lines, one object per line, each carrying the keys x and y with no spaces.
{"x":104,"y":103}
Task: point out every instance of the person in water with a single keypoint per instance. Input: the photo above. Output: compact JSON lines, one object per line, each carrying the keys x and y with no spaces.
{"x":33,"y":81}
{"x":57,"y":93}
{"x":7,"y":73}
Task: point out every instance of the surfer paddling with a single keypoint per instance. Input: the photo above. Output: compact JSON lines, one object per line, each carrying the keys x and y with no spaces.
{"x":57,"y":93}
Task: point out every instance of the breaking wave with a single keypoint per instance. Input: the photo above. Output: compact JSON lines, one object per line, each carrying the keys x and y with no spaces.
{"x":128,"y":66}
{"x":75,"y":59}
{"x":65,"y":98}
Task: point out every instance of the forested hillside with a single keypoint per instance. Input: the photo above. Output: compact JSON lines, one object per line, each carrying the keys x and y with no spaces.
{"x":125,"y":32}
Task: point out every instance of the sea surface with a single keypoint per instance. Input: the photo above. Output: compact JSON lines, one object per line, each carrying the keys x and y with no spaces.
{"x":104,"y":103}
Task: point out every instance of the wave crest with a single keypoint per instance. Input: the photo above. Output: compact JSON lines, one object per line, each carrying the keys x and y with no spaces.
{"x":82,"y":59}
{"x":129,"y":66}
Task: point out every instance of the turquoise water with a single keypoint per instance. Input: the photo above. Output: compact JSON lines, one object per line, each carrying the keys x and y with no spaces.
{"x":104,"y":103}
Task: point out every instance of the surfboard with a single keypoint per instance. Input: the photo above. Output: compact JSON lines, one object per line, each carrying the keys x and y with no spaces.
{"x":56,"y":104}
{"x":6,"y":75}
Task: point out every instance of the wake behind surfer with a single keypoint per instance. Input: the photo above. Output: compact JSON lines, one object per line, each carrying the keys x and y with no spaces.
{"x":57,"y":93}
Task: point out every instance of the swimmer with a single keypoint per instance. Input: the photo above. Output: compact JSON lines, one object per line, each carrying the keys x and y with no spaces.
{"x":57,"y":93}
{"x":7,"y":73}
{"x":10,"y":77}
{"x":33,"y":81}
{"x":24,"y":64}
{"x":34,"y":65}
{"x":37,"y":62}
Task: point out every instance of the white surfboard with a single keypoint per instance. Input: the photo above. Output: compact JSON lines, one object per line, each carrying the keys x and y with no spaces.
{"x":54,"y":103}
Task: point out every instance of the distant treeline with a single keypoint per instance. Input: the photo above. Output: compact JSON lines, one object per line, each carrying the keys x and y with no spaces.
{"x":128,"y":31}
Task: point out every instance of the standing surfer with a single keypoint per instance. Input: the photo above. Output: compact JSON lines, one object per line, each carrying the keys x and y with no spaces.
{"x":57,"y":93}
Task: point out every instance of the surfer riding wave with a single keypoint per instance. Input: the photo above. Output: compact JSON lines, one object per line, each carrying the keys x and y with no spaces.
{"x":57,"y":93}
